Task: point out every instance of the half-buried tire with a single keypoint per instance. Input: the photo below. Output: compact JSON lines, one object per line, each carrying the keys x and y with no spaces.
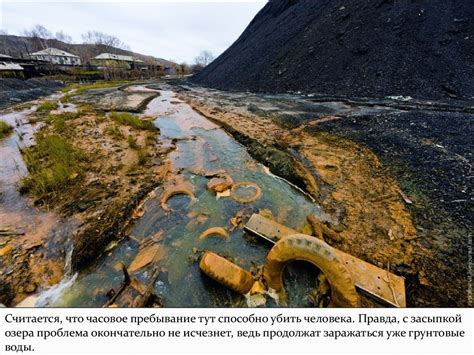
{"x":315,"y":251}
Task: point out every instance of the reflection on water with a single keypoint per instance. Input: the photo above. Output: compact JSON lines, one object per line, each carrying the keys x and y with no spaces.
{"x":201,"y":146}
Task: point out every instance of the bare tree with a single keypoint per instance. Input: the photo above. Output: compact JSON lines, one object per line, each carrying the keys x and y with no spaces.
{"x":63,"y":37}
{"x":204,"y":58}
{"x":38,"y":31}
{"x":40,"y":35}
{"x":100,"y":38}
{"x":184,"y":68}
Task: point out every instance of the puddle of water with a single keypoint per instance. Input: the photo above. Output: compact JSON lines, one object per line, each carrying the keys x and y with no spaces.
{"x":201,"y":146}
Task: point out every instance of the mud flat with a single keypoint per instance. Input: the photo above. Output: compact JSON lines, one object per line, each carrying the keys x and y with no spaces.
{"x":124,"y":99}
{"x":394,"y":177}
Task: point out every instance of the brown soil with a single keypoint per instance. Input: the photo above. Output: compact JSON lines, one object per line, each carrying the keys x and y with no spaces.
{"x":113,"y":187}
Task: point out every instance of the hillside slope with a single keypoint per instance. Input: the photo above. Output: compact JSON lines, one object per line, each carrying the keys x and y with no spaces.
{"x":422,"y":48}
{"x":18,"y":46}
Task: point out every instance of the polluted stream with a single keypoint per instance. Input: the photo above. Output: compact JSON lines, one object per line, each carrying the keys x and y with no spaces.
{"x":200,"y":147}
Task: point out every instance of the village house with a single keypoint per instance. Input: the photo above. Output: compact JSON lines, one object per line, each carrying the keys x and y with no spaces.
{"x":110,"y":60}
{"x":7,"y":68}
{"x":56,"y":56}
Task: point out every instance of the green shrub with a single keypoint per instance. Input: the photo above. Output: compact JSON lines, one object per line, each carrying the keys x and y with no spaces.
{"x":150,"y":139}
{"x":142,"y":156}
{"x":127,"y":119}
{"x":65,"y":99}
{"x":52,"y":163}
{"x":5,"y":129}
{"x":47,"y":106}
{"x":132,"y":142}
{"x":81,"y":88}
{"x":114,"y":132}
{"x":59,"y":121}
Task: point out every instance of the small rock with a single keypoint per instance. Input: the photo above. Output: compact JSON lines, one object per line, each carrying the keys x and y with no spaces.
{"x":257,"y":288}
{"x":425,"y":244}
{"x":220,"y":183}
{"x":30,"y":288}
{"x":6,"y":250}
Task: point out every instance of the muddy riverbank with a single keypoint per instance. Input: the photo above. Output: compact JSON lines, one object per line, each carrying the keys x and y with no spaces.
{"x":33,"y":241}
{"x":83,"y":164}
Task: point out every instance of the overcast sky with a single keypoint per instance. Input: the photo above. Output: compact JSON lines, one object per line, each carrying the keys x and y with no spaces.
{"x":168,"y":29}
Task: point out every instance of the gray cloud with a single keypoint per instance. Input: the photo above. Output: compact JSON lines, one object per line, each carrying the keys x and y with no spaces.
{"x":170,"y":30}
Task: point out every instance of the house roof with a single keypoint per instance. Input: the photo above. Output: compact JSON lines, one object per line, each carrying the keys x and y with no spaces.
{"x":55,"y":52}
{"x":111,"y":56}
{"x":4,"y":56}
{"x":10,"y":66}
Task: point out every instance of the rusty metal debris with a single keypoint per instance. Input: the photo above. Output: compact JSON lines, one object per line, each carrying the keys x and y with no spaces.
{"x":267,"y":228}
{"x":237,"y":220}
{"x":381,"y":285}
{"x":226,"y":273}
{"x":140,"y":210}
{"x":214,"y":231}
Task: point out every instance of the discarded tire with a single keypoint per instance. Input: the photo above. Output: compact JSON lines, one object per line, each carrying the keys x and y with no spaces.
{"x":317,"y":252}
{"x":256,"y":196}
{"x":168,"y":194}
{"x":215,"y":231}
{"x":226,"y":273}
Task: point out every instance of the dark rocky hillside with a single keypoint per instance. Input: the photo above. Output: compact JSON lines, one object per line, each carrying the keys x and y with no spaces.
{"x":374,"y":48}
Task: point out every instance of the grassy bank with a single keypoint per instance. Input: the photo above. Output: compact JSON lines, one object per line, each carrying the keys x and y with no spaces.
{"x":5,"y":129}
{"x":128,"y":119}
{"x":47,"y":106}
{"x":52,"y":163}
